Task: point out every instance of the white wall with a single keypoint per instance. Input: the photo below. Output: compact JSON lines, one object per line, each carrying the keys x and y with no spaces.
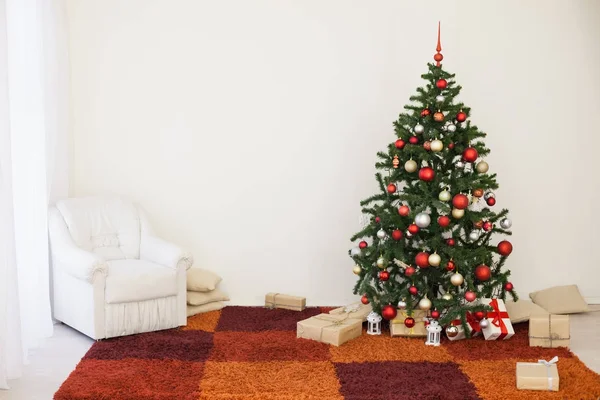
{"x":249,"y":129}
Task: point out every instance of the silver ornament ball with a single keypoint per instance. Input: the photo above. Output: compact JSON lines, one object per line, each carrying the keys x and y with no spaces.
{"x":451,"y":128}
{"x":401,"y":304}
{"x":422,"y":220}
{"x":381,"y":234}
{"x":381,"y":262}
{"x":505,"y":223}
{"x":440,"y":99}
{"x":474,"y":235}
{"x":484,"y":323}
{"x":355,"y":251}
{"x":419,"y":129}
{"x":488,"y":195}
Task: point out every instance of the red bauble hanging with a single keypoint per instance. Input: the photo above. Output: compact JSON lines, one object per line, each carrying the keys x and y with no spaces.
{"x":441,"y":84}
{"x":438,"y":57}
{"x":409,"y":271}
{"x":422,"y":259}
{"x":508,"y":286}
{"x":505,"y":248}
{"x":491,"y":201}
{"x":364,"y":299}
{"x":450,"y":266}
{"x":384,"y":276}
{"x":413,"y":140}
{"x":460,"y":201}
{"x":413,"y":229}
{"x":461,"y":116}
{"x":435,"y":314}
{"x":426,"y":174}
{"x":388,"y":312}
{"x":363,"y":245}
{"x":487,"y":226}
{"x":377,"y":220}
{"x":400,"y":144}
{"x":451,"y":146}
{"x":391,"y":188}
{"x":403,"y":211}
{"x":409,"y":322}
{"x":470,"y":296}
{"x":425,"y":112}
{"x":478,"y":192}
{"x":443,"y":221}
{"x":413,"y":290}
{"x":479,"y":315}
{"x":397,"y":234}
{"x":483,"y":273}
{"x":427,"y":145}
{"x":478,"y":224}
{"x":450,"y":242}
{"x":470,"y":154}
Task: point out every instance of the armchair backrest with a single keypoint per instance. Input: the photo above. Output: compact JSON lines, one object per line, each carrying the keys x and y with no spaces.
{"x":107,"y":226}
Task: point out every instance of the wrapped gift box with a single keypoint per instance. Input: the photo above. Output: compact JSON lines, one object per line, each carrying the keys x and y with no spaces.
{"x":355,"y":311}
{"x":549,"y":331}
{"x":328,"y":328}
{"x":472,"y":325}
{"x":397,"y":327}
{"x":499,"y":327}
{"x":542,"y":375}
{"x":279,"y":300}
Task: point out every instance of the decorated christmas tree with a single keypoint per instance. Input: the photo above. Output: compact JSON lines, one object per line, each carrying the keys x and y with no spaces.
{"x":432,"y":242}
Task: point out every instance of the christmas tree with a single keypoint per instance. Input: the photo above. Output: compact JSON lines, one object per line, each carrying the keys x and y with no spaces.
{"x":429,"y":242}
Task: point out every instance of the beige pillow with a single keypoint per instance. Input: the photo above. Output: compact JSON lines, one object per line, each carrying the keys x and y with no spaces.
{"x":519,"y":311}
{"x":214,"y":306}
{"x":199,"y":298}
{"x":201,"y":280}
{"x":560,"y":300}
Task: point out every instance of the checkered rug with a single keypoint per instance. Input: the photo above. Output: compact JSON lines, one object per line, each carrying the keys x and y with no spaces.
{"x":252,"y":353}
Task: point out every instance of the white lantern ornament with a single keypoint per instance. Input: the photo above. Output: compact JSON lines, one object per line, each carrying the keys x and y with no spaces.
{"x":374,"y":323}
{"x":434,"y":333}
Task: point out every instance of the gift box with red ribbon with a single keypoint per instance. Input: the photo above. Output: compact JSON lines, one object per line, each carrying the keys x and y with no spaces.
{"x":472,"y":325}
{"x":499,"y":327}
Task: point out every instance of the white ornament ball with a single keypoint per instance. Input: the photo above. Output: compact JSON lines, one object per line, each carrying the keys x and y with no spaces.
{"x":356,"y":270}
{"x":425,"y":304}
{"x":355,"y":251}
{"x":410,"y":166}
{"x":440,"y":99}
{"x":474,"y":235}
{"x":451,"y":128}
{"x":401,"y":304}
{"x":422,"y":220}
{"x":435,"y":259}
{"x":505,"y":223}
{"x":457,"y":279}
{"x":381,"y":234}
{"x":447,"y":296}
{"x":488,"y":195}
{"x":445,"y":195}
{"x":484,"y":323}
{"x":459,"y":165}
{"x":458,"y":213}
{"x":482,"y":167}
{"x":419,"y":128}
{"x":381,"y":262}
{"x":436,"y":146}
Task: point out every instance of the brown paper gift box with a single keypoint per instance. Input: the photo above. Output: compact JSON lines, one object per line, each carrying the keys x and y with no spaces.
{"x":549,"y":331}
{"x":280,"y":300}
{"x":397,"y":327}
{"x":331,"y":329}
{"x":538,"y":376}
{"x":356,"y":311}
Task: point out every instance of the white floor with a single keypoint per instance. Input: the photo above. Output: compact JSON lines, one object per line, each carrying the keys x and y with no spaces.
{"x":51,"y":364}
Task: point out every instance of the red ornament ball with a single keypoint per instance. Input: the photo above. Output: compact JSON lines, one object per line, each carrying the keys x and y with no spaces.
{"x":397,"y":234}
{"x":508,"y":286}
{"x":491,"y":201}
{"x":487,"y":226}
{"x":479,"y":315}
{"x":483,"y":273}
{"x":363,"y":245}
{"x":435,"y":314}
{"x":413,"y":290}
{"x":389,"y":312}
{"x":377,"y":220}
{"x":409,"y":271}
{"x":460,"y":201}
{"x":422,"y":259}
{"x":450,"y":266}
{"x":426,"y":174}
{"x":438,"y":57}
{"x":461,"y":117}
{"x":403,"y":211}
{"x":384,"y":276}
{"x":443,"y":221}
{"x":400,"y":144}
{"x":427,"y":145}
{"x":413,"y":229}
{"x":450,"y":242}
{"x":425,"y":112}
{"x":505,"y":248}
{"x":364,"y":299}
{"x":441,"y":84}
{"x":409,"y":322}
{"x":413,"y":140}
{"x":470,"y":154}
{"x":391,"y":188}
{"x":470,"y":296}
{"x":451,"y":146}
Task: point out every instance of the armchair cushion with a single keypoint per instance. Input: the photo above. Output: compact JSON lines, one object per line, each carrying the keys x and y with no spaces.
{"x":139,"y":280}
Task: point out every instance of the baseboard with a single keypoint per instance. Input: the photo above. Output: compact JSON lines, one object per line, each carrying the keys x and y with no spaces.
{"x":592,"y":300}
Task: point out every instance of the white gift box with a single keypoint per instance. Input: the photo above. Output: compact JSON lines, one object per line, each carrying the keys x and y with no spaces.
{"x":499,"y":327}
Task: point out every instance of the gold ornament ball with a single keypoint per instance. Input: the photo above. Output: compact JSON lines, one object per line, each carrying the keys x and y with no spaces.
{"x":410,"y":166}
{"x":447,"y":296}
{"x":436,"y":146}
{"x":356,"y":270}
{"x":482,"y":167}
{"x":445,"y":195}
{"x":458,"y":213}
{"x":452,"y":331}
{"x":381,"y":262}
{"x":457,"y":279}
{"x":425,"y":304}
{"x":435,"y":260}
{"x":438,"y":117}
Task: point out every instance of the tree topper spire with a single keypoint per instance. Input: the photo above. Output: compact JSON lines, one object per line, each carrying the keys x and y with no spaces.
{"x":438,"y":56}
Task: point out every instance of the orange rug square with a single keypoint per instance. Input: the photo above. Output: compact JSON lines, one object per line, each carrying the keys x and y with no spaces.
{"x":203,"y":322}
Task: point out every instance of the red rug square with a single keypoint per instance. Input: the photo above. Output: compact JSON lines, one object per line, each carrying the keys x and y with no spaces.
{"x":258,"y":319}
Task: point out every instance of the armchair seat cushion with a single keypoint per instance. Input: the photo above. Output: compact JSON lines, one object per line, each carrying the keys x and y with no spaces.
{"x":138,"y":280}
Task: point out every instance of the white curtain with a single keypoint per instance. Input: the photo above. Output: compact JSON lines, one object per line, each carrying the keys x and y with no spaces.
{"x":33,"y":169}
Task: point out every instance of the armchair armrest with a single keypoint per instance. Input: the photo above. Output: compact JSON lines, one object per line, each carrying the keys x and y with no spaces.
{"x":164,"y":253}
{"x":69,"y":257}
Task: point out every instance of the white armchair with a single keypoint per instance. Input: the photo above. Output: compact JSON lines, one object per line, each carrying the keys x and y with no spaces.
{"x":111,"y":275}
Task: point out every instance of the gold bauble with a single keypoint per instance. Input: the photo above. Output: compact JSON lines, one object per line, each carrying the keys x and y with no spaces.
{"x":445,"y":195}
{"x":458,"y":213}
{"x":447,"y":296}
{"x":436,"y":146}
{"x":434,"y":260}
{"x":425,"y":304}
{"x":438,"y":117}
{"x":457,"y":279}
{"x":478,"y":192}
{"x":482,"y":167}
{"x":410,"y":166}
{"x":381,"y":262}
{"x":356,"y":269}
